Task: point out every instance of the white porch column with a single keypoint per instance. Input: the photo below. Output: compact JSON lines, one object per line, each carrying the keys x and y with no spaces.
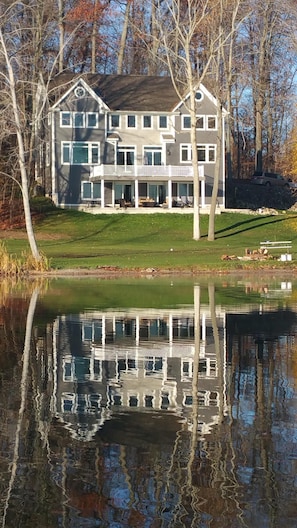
{"x":102,"y":193}
{"x":136,"y":194}
{"x":169,"y":194}
{"x":202,"y":179}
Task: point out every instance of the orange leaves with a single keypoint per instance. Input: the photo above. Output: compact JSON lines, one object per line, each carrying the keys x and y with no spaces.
{"x":89,"y":11}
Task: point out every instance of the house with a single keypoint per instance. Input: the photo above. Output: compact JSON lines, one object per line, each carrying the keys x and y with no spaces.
{"x":124,"y":140}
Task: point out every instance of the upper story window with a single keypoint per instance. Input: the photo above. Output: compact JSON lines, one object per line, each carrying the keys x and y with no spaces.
{"x":147,"y":121}
{"x":80,"y":153}
{"x":126,"y":156}
{"x":131,"y":121}
{"x":185,"y":153}
{"x":211,"y":122}
{"x":153,"y":155}
{"x":186,"y":122}
{"x":65,"y":119}
{"x":92,"y":119}
{"x":205,"y":153}
{"x":163,"y":121}
{"x":79,"y":119}
{"x":115,"y":121}
{"x":200,"y":122}
{"x":199,"y":95}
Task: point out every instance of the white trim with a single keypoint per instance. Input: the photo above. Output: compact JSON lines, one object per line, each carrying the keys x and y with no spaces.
{"x":72,"y":119}
{"x":89,"y":144}
{"x":131,"y":127}
{"x":203,"y":90}
{"x":89,"y":90}
{"x":207,"y":124}
{"x":151,"y":122}
{"x":167,"y":121}
{"x":187,"y":147}
{"x":110,"y":125}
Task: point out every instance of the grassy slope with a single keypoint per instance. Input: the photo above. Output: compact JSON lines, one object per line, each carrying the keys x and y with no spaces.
{"x":72,"y":239}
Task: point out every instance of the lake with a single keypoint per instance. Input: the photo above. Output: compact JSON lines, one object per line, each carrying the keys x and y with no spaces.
{"x":149,"y":402}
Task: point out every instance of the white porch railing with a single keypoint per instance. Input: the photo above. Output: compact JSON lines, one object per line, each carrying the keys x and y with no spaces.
{"x":136,"y":171}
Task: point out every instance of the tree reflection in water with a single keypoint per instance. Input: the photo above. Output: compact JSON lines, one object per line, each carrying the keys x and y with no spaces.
{"x":150,"y":417}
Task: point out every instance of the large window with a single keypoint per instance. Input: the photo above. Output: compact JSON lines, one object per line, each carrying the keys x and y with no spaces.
{"x":79,"y":153}
{"x":153,"y":155}
{"x":79,"y":119}
{"x":126,"y":156}
{"x":205,"y":153}
{"x":203,"y":122}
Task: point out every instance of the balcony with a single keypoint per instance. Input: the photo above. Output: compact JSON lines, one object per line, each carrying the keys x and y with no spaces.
{"x":141,"y":171}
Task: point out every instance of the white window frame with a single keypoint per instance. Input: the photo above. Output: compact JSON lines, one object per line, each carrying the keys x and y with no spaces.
{"x":151,"y":122}
{"x":159,"y":122}
{"x":124,"y":149}
{"x":72,"y":119}
{"x":112,"y":127}
{"x":208,"y":117}
{"x":61,"y":119}
{"x":208,"y":148}
{"x":83,"y":116}
{"x":153,"y":149}
{"x":87,"y":119}
{"x":183,"y":122}
{"x":127,"y":122}
{"x":71,"y":144}
{"x":187,"y":148}
{"x":203,"y":117}
{"x":92,"y":190}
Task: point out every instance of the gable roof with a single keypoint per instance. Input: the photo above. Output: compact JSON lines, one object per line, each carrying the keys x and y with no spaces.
{"x":122,"y":92}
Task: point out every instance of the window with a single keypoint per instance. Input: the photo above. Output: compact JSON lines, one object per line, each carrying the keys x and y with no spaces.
{"x":78,"y":153}
{"x":200,"y":122}
{"x":186,"y":124}
{"x":90,"y":190}
{"x":153,"y":155}
{"x":126,"y":156}
{"x":186,"y":153}
{"x":115,"y":121}
{"x":199,"y":95}
{"x":211,"y":123}
{"x":206,"y":153}
{"x":79,"y":91}
{"x":163,"y":121}
{"x":147,"y":121}
{"x":65,"y":119}
{"x":131,"y":121}
{"x":79,"y":119}
{"x":92,"y":120}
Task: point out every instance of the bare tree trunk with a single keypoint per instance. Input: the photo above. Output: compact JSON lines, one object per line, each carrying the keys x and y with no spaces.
{"x":21,"y":151}
{"x":94,"y":35}
{"x":218,"y":165}
{"x":123,"y":39}
{"x":61,"y":34}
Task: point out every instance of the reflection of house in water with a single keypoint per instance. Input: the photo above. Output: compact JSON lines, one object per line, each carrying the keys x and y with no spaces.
{"x":135,"y":361}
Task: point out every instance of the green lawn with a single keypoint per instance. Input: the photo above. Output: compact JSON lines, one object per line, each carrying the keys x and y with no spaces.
{"x":72,"y":239}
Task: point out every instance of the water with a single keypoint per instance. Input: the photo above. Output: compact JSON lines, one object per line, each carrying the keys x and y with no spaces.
{"x":149,"y":403}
